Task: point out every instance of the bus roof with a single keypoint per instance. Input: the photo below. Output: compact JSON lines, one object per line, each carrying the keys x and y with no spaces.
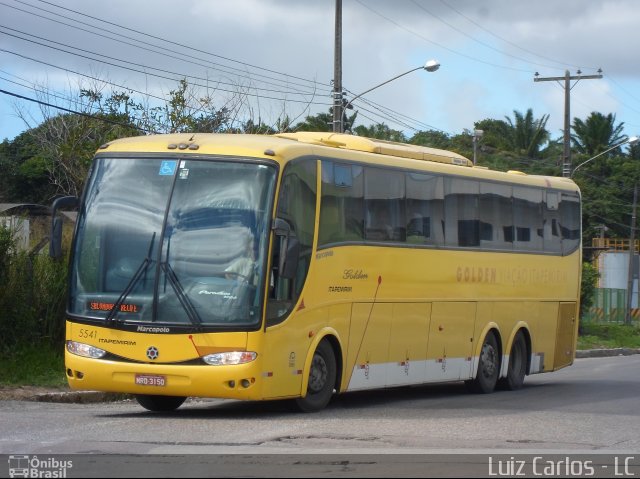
{"x":370,"y":145}
{"x":286,"y":146}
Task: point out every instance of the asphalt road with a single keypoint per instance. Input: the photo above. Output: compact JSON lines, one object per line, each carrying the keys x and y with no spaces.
{"x":590,"y":408}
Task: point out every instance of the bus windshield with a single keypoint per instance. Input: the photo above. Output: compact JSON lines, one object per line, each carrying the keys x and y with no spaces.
{"x":175,"y":242}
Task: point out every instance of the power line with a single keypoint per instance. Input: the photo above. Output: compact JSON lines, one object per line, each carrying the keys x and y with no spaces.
{"x":182,"y":56}
{"x":176,"y":43}
{"x":444,"y":47}
{"x":480,"y":42}
{"x":506,"y":40}
{"x":87,"y":115}
{"x":128,"y":62}
{"x":566,"y":157}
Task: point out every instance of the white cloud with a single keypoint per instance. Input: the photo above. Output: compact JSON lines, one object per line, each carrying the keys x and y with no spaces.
{"x":294,"y":37}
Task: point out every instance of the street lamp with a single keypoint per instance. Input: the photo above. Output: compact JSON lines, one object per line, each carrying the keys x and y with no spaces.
{"x":631,"y":140}
{"x":477,"y":135}
{"x":430,"y":66}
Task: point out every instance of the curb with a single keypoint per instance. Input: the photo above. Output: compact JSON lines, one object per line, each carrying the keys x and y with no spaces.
{"x":78,"y":397}
{"x":605,"y":353}
{"x":92,"y":397}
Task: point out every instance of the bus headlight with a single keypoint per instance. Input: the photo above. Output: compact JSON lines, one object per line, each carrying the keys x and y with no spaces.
{"x":230,"y":358}
{"x":85,"y":350}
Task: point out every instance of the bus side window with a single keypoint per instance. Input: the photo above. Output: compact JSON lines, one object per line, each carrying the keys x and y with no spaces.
{"x":342,"y":205}
{"x":384,"y":195}
{"x":424,"y":203}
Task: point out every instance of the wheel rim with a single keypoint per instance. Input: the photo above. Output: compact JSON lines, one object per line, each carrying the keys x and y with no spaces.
{"x":318,"y":374}
{"x":489,"y":361}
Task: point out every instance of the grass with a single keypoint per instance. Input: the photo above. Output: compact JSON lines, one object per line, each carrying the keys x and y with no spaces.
{"x":33,"y":366}
{"x":608,"y":335}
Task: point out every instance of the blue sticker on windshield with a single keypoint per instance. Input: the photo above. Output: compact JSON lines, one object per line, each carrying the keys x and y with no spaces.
{"x":168,"y":167}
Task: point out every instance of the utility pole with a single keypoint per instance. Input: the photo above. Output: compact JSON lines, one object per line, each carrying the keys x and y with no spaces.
{"x":566,"y":155}
{"x":337,"y":72}
{"x":632,"y":250}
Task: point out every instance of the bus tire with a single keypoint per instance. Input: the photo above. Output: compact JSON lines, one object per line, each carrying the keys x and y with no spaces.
{"x":160,"y":403}
{"x":322,"y":380}
{"x":488,"y":367}
{"x":517,"y":364}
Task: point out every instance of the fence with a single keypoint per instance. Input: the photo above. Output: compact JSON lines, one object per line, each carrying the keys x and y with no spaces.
{"x":610,"y":306}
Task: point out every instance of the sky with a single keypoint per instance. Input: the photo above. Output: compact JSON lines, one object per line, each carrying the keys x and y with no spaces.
{"x":277,"y":57}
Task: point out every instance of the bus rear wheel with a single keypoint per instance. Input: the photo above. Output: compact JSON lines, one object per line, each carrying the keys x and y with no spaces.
{"x":517,"y":364}
{"x":488,"y":367}
{"x":160,"y":403}
{"x":322,"y":379}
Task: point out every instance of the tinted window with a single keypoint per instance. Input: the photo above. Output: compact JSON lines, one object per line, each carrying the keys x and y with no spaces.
{"x":424,"y":209}
{"x":384,"y":205}
{"x":552,"y":240}
{"x":570,"y":222}
{"x":370,"y":204}
{"x":461,"y":217}
{"x":496,"y":216}
{"x":527,"y":218}
{"x":342,"y":204}
{"x":296,"y":205}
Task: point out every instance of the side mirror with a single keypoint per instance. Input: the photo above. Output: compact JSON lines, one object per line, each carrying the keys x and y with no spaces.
{"x":55,"y":241}
{"x":289,"y":249}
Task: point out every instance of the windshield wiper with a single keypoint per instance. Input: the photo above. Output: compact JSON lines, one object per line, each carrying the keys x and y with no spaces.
{"x":132,"y":282}
{"x":185,"y":302}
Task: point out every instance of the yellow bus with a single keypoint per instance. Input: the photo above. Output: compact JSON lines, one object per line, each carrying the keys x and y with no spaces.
{"x":296,"y":266}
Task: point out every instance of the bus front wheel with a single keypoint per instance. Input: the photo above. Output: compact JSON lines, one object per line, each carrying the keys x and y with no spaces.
{"x":322,"y":379}
{"x":488,"y":367}
{"x":160,"y":403}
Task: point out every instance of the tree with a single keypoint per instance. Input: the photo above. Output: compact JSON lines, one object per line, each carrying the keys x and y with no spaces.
{"x":319,"y":122}
{"x":496,"y":134}
{"x":634,"y":151}
{"x":380,"y":131}
{"x":526,"y":134}
{"x":432,"y":139}
{"x":23,"y":178}
{"x":597,"y":134}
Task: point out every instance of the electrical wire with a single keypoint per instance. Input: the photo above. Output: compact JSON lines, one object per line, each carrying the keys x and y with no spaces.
{"x":75,"y":112}
{"x":175,"y":43}
{"x":112,"y":59}
{"x":182,"y":55}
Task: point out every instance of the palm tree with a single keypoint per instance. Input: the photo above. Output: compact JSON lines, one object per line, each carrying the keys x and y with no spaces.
{"x":319,"y":122}
{"x":527,"y":135}
{"x":598,"y":133}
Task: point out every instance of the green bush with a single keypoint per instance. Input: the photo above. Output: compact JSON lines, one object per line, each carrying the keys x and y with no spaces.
{"x":33,"y":291}
{"x":34,"y":365}
{"x":588,"y":287}
{"x":609,"y":335}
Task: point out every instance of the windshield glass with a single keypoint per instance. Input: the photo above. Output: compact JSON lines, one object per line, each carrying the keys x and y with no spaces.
{"x":173,"y":242}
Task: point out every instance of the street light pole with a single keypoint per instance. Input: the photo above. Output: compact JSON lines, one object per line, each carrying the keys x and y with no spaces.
{"x":631,"y":140}
{"x":632,"y":251}
{"x":430,"y":66}
{"x":477,"y":134}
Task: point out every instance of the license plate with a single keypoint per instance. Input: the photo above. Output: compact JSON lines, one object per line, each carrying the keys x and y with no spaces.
{"x":151,"y":380}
